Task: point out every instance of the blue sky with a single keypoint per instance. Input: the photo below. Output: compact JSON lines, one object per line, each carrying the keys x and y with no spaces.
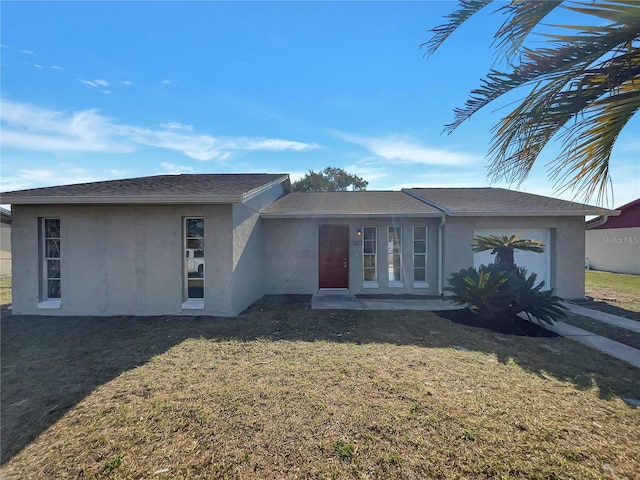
{"x":98,"y":91}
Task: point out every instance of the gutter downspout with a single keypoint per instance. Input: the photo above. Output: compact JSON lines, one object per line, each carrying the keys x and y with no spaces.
{"x":603,"y":220}
{"x":440,"y":251}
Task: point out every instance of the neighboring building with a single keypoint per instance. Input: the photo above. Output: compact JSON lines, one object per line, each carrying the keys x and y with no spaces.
{"x":613,"y":243}
{"x":213,"y":244}
{"x":5,"y":242}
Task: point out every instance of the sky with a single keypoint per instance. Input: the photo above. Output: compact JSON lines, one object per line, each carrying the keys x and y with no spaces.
{"x":106,"y":90}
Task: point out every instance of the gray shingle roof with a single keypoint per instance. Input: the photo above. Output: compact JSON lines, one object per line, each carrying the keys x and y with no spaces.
{"x":345,"y":204}
{"x":500,"y":202}
{"x":188,"y":188}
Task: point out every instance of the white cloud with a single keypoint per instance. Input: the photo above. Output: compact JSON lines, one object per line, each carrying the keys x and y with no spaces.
{"x":166,"y":82}
{"x":401,"y":149}
{"x":36,"y":65}
{"x":95,"y":83}
{"x":126,"y":83}
{"x":171,"y":169}
{"x":27,"y":52}
{"x":31,"y":178}
{"x":30,"y":127}
{"x":56,"y":67}
{"x":119,"y":173}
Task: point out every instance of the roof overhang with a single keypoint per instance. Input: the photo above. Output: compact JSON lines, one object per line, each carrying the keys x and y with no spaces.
{"x":351,"y":215}
{"x":125,"y":199}
{"x":164,"y":199}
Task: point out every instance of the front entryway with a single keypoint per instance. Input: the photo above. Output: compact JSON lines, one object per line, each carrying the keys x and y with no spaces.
{"x":333,"y":256}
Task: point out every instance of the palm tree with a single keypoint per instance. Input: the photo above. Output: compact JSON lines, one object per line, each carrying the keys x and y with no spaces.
{"x":503,"y":247}
{"x":584,"y":86}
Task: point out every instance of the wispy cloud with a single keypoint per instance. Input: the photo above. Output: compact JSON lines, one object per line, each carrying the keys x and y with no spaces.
{"x":56,"y":67}
{"x":96,"y":83}
{"x":27,"y":52}
{"x":126,"y":83}
{"x":29,"y":127}
{"x":171,"y":169}
{"x":27,"y":178}
{"x":402,"y":149}
{"x":35,"y":65}
{"x":166,"y":82}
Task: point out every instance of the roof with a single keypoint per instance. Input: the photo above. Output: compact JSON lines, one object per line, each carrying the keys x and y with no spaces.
{"x":348,"y":204}
{"x":628,"y":218}
{"x":500,"y":202}
{"x":5,"y":215}
{"x":186,"y":188}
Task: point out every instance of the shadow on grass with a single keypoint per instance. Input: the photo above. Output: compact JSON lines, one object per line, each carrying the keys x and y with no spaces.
{"x":51,"y":363}
{"x":607,"y":307}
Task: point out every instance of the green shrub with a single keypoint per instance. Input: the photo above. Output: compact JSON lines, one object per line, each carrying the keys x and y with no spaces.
{"x":500,"y":292}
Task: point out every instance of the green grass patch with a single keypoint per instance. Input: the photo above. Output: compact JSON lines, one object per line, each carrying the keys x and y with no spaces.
{"x":614,"y":293}
{"x":618,"y":282}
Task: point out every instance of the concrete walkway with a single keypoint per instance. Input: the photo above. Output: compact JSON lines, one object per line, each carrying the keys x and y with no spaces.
{"x":604,"y":317}
{"x":326,"y":301}
{"x":338,"y":301}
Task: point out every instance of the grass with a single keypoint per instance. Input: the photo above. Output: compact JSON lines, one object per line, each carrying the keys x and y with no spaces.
{"x":615,"y":293}
{"x":286,"y":392}
{"x":618,"y":334}
{"x":5,"y":290}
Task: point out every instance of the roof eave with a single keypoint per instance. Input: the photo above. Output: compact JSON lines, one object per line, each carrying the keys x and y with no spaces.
{"x":125,"y":199}
{"x":263,"y":188}
{"x":350,"y":215}
{"x":540,"y":213}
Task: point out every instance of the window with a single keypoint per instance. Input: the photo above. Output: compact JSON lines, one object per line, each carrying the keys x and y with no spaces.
{"x":420,"y":256}
{"x":50,"y":285}
{"x":194,"y":262}
{"x":369,"y":252}
{"x":394,"y":255}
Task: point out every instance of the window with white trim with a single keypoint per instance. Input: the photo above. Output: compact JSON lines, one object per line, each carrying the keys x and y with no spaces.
{"x":420,"y":256}
{"x":50,"y":287}
{"x":369,"y":255}
{"x":394,"y":255}
{"x":194,"y":259}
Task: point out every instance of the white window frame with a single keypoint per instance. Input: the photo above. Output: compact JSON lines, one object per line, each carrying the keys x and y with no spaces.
{"x":46,"y":301}
{"x":191,"y":303}
{"x":394,"y":283}
{"x":421,"y":283}
{"x":370,"y":283}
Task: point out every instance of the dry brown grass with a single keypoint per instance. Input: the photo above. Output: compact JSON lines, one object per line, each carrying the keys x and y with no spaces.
{"x":284,"y":392}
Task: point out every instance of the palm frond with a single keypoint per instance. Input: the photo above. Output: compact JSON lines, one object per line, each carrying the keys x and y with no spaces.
{"x":464,"y":10}
{"x":583,"y":88}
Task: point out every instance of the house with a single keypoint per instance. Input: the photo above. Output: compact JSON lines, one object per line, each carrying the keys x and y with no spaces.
{"x":213,"y":244}
{"x":613,"y":243}
{"x":5,"y":242}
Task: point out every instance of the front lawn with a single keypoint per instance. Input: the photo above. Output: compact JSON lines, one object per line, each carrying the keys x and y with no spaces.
{"x":286,"y":392}
{"x":615,"y":293}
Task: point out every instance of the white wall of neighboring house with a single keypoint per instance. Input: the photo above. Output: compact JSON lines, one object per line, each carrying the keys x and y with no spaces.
{"x":614,"y":250}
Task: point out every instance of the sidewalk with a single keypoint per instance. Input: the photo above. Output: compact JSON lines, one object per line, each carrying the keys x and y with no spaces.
{"x":604,"y":317}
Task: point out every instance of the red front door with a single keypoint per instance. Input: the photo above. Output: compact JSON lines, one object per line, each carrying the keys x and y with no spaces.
{"x":333,"y":256}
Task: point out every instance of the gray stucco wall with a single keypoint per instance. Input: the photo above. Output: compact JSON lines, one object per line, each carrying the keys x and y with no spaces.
{"x":614,"y":249}
{"x":291,"y":255}
{"x":567,"y":247}
{"x":123,"y":259}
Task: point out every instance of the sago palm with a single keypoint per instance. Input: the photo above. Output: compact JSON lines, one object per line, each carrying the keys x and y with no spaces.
{"x":503,"y":246}
{"x":583,"y":87}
